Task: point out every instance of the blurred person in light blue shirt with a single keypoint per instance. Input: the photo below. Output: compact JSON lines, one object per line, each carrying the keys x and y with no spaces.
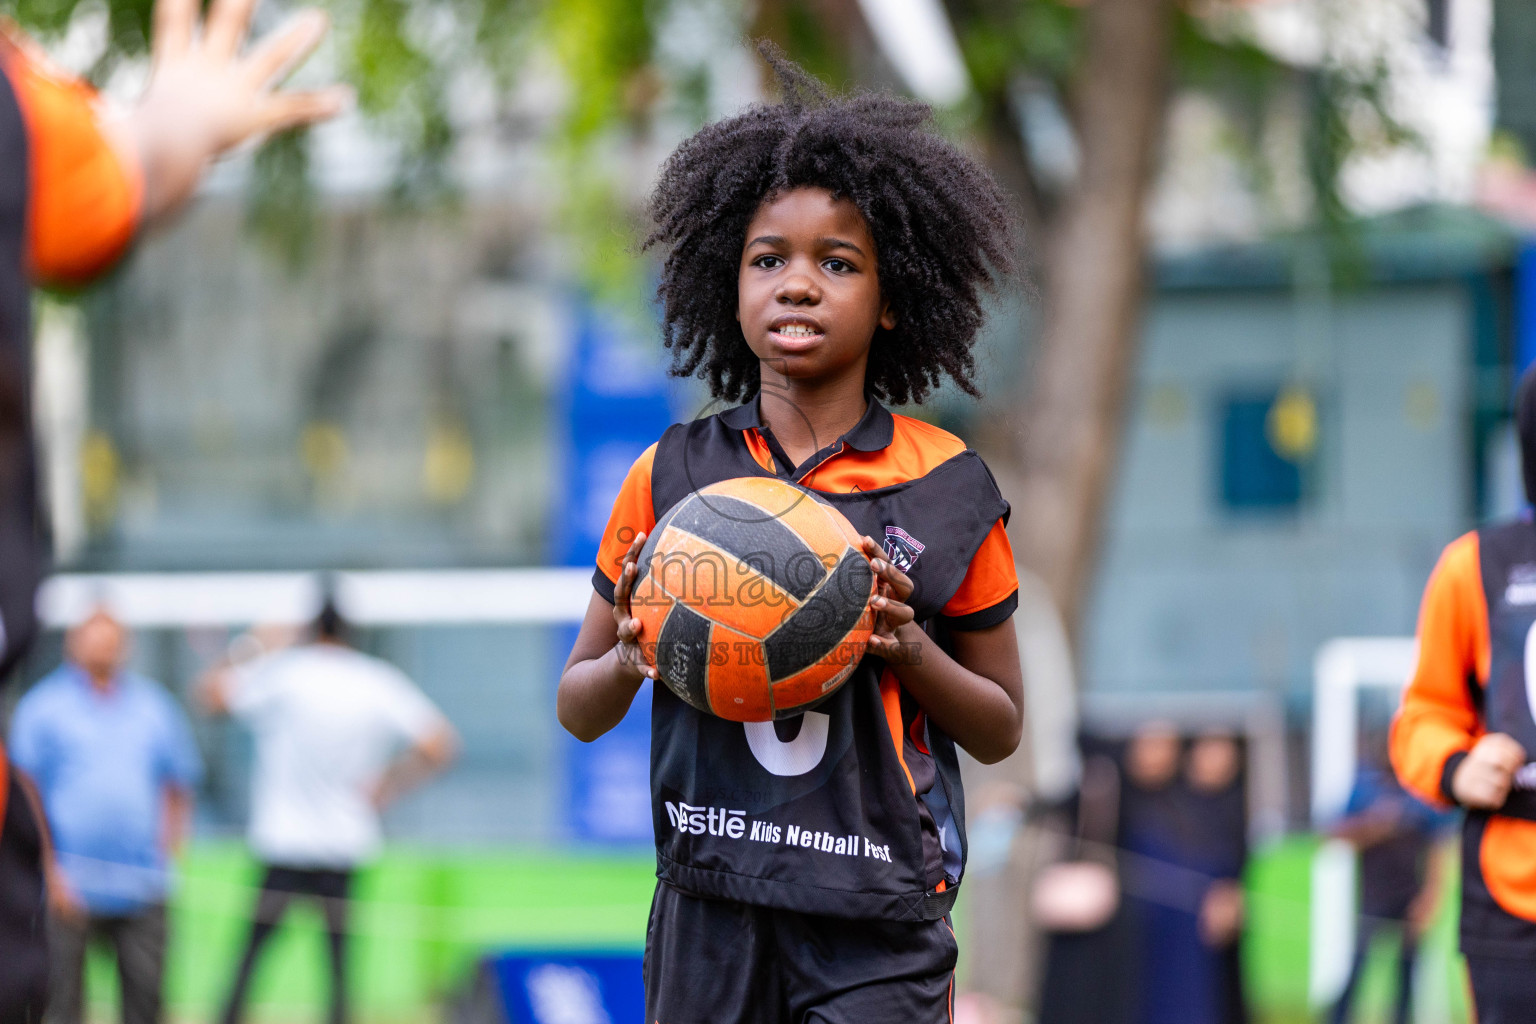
{"x":113,"y":759}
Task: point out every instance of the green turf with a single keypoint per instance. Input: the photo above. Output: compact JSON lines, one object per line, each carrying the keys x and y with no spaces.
{"x":420,"y":921}
{"x":1276,"y":947}
{"x":422,"y":918}
{"x":1276,"y":941}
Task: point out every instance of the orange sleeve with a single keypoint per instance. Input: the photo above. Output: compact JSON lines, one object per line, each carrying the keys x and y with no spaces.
{"x":632,"y":513}
{"x":988,"y":594}
{"x":1438,"y":719}
{"x":84,"y":198}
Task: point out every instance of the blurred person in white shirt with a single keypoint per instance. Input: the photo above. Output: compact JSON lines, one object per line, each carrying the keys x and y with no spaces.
{"x":339,"y":735}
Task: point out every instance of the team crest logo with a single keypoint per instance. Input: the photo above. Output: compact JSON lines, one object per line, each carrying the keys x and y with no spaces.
{"x":902,"y":547}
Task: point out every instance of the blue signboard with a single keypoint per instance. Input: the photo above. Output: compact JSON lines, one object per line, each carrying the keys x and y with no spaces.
{"x":592,"y":988}
{"x":616,"y":402}
{"x":1525,"y":307}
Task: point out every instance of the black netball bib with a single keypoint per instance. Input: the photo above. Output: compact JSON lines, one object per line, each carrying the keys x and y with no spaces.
{"x":854,"y":809}
{"x":1507,"y":563}
{"x":23,"y":945}
{"x":1507,"y":559}
{"x":21,"y":551}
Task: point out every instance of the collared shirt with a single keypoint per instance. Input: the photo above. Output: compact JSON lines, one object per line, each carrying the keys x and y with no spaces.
{"x":882,"y":449}
{"x":872,"y":435}
{"x":102,"y":761}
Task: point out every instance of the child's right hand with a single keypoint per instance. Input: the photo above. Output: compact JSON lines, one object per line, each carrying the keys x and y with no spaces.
{"x":1483,"y":780}
{"x":631,"y":661}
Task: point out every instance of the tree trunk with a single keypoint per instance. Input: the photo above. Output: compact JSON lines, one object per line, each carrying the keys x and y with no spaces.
{"x":1091,"y":300}
{"x":1073,"y":407}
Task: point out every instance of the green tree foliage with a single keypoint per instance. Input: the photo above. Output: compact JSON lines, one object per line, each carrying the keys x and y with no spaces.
{"x":605,"y":49}
{"x":401,"y":54}
{"x":1344,"y":105}
{"x":127,"y":25}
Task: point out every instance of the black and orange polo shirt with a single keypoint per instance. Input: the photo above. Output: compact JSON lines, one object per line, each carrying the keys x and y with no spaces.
{"x":69,"y":205}
{"x":853,"y":809}
{"x":882,"y":449}
{"x":1477,"y":627}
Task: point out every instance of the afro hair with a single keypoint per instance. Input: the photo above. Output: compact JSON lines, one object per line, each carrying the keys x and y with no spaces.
{"x":942,"y":229}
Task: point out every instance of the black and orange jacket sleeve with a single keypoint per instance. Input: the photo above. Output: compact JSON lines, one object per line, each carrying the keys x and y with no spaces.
{"x":632,"y":513}
{"x":989,"y":594}
{"x":85,"y":196}
{"x":1439,"y":719}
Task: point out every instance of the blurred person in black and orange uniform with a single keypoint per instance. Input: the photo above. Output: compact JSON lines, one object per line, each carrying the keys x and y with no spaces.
{"x":77,"y":186}
{"x":1465,"y":730}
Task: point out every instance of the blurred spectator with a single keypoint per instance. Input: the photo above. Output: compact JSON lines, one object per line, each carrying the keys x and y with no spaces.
{"x":1184,"y":840}
{"x":1075,"y":987}
{"x":1162,"y":898}
{"x":113,"y":760}
{"x":1400,"y":871}
{"x":1219,"y":849}
{"x":1174,"y":938}
{"x":339,"y":735}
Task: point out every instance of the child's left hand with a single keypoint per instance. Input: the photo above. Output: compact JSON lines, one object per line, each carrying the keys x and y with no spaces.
{"x":892,"y":613}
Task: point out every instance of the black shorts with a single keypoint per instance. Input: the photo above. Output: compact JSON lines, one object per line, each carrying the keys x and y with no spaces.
{"x":718,"y":962}
{"x":322,"y":883}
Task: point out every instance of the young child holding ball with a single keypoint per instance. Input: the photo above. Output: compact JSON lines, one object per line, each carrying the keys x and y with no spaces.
{"x":823,"y":255}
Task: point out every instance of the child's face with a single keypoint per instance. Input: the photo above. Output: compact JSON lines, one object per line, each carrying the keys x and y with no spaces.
{"x":807,"y":292}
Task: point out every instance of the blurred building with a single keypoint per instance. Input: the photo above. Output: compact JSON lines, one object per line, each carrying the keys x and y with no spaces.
{"x":1313,"y":421}
{"x":1295,"y":459}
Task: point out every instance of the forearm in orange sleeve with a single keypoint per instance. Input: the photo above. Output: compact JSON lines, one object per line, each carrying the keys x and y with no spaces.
{"x":1438,"y":718}
{"x":83,"y":194}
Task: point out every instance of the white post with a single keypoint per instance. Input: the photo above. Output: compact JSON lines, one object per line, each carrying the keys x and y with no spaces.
{"x":1341,"y":668}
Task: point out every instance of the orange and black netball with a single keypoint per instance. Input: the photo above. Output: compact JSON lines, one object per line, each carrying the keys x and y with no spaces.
{"x":755,"y":599}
